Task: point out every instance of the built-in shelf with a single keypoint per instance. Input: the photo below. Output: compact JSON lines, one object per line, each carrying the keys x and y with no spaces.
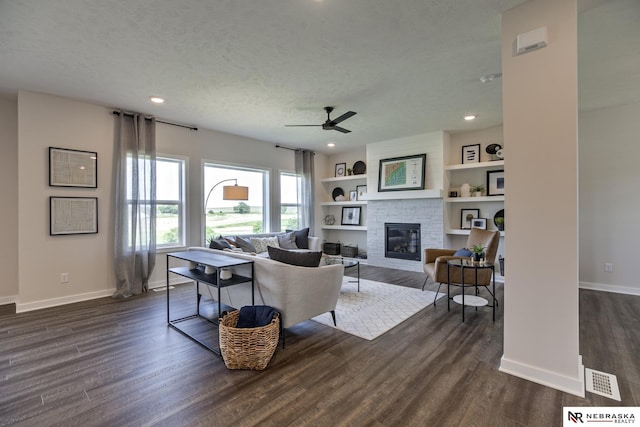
{"x":475,"y":199}
{"x":344,"y":178}
{"x":479,"y":165}
{"x":460,"y":232}
{"x":345,"y":203}
{"x":345,"y":227}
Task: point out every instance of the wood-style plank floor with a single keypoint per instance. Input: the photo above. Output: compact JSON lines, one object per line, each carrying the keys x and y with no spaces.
{"x":113,"y":362}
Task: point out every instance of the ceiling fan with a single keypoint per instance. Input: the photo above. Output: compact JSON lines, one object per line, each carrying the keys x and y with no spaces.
{"x":332,"y":124}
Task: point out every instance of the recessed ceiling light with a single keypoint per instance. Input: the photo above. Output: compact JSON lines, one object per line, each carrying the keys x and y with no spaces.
{"x":331,"y":144}
{"x":156,"y":99}
{"x":470,"y":117}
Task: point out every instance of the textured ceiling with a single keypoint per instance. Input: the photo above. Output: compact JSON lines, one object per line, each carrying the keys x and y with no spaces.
{"x":249,"y":67}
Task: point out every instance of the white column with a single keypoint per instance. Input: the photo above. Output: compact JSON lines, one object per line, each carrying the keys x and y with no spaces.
{"x":541,"y":171}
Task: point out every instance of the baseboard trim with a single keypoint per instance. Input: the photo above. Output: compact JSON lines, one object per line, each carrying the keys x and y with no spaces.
{"x":609,"y":288}
{"x":54,"y":302}
{"x":172,"y":282}
{"x":570,"y":385}
{"x":11,"y":299}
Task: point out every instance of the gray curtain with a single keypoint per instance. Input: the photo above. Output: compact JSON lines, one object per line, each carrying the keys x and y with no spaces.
{"x":135,"y":203}
{"x":305,"y":169}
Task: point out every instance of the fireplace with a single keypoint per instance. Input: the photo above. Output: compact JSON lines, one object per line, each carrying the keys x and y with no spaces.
{"x":402,"y":240}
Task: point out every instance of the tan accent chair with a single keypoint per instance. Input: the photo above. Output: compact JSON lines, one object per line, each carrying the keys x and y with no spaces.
{"x":435,"y":261}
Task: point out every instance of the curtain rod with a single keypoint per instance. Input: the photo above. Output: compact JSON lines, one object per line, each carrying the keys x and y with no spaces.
{"x":292,"y":149}
{"x":117,"y":113}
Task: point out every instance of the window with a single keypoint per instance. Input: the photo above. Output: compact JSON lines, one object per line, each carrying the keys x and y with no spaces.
{"x":170,"y":210}
{"x":230,"y":217}
{"x":289,"y":183}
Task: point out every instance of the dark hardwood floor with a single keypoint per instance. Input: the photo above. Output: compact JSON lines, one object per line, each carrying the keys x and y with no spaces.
{"x":116,"y":363}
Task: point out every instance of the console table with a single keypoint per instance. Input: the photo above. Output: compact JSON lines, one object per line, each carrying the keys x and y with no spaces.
{"x":201,"y":263}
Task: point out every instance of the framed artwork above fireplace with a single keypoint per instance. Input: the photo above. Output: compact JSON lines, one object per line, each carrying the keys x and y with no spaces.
{"x":402,"y":173}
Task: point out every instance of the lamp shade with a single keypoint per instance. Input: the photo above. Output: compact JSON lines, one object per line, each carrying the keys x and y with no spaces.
{"x":235,"y":192}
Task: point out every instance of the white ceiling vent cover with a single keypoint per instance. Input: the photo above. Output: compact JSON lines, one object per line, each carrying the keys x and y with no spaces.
{"x":602,"y":383}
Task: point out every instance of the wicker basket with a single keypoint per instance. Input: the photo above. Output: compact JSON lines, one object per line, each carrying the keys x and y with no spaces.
{"x":247,"y":348}
{"x":349,"y":251}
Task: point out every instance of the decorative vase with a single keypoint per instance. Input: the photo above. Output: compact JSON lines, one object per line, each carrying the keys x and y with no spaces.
{"x":225,"y":273}
{"x":465,"y":190}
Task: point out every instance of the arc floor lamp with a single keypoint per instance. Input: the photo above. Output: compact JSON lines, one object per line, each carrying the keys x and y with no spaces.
{"x":229,"y":192}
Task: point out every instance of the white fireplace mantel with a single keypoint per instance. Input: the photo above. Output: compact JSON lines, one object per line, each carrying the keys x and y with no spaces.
{"x":402,"y":195}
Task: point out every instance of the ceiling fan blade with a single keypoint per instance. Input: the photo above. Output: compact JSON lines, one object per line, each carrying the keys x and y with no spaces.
{"x":339,"y":129}
{"x":291,"y":126}
{"x":343,"y":117}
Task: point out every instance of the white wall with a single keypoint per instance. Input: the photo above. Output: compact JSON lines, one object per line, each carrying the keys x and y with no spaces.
{"x":45,"y":120}
{"x":9,"y":197}
{"x":609,"y":226}
{"x":540,"y":125}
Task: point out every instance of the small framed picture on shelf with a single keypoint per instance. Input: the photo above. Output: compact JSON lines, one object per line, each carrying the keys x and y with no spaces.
{"x":466,"y":216}
{"x":495,"y":183}
{"x":341,"y":169}
{"x":361,"y":191}
{"x":350,"y":216}
{"x":479,"y":223}
{"x":353,"y":195}
{"x":470,"y":154}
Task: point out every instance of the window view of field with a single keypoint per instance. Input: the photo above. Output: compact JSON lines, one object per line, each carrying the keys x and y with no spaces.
{"x":229,"y":217}
{"x":223,"y":217}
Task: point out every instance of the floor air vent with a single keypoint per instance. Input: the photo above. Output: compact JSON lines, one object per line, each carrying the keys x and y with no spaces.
{"x":602,"y":383}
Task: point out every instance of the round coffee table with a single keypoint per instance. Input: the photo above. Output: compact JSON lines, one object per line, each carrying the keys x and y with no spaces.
{"x":470,"y":300}
{"x":347,"y":262}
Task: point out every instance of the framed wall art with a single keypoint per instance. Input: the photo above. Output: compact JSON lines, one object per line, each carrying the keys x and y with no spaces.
{"x":362,"y":191}
{"x":479,"y":223}
{"x":466,"y":216}
{"x":495,"y":183}
{"x":350,"y":216}
{"x":73,"y":215}
{"x":470,"y":154}
{"x":73,"y":168}
{"x":353,"y":195}
{"x":341,"y":169}
{"x":402,"y":173}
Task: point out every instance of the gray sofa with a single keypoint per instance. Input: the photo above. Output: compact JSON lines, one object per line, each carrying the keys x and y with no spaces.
{"x":298,"y":293}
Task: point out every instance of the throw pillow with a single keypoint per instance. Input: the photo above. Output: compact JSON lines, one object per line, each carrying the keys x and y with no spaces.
{"x":463,"y":252}
{"x":287,"y":240}
{"x":244,"y":244}
{"x":302,"y":259}
{"x":302,"y":238}
{"x":261,"y":243}
{"x":219,"y":244}
{"x":230,"y":240}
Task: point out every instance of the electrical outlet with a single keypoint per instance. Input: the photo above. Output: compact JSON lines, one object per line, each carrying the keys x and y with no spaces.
{"x":64,"y":277}
{"x":608,"y":267}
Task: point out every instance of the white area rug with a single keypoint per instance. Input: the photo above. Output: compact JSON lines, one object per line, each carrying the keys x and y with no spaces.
{"x":376,"y":309}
